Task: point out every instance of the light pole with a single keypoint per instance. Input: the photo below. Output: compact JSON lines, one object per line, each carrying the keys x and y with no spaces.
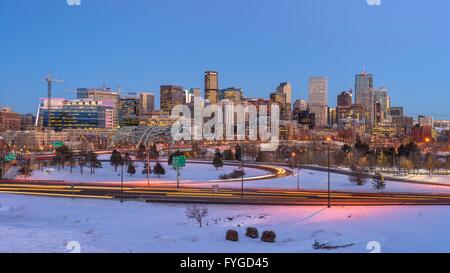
{"x":121,"y":184}
{"x":329,"y":171}
{"x":242,"y":170}
{"x":148,"y":168}
{"x":293,"y":162}
{"x":242,"y":179}
{"x":298,"y":175}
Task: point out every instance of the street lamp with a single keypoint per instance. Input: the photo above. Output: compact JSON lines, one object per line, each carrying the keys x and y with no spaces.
{"x":121,"y":184}
{"x":148,"y":168}
{"x":329,"y":171}
{"x":293,"y":163}
{"x":242,"y":176}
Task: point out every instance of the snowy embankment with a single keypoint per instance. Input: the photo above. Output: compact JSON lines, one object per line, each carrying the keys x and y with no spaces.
{"x":32,"y":224}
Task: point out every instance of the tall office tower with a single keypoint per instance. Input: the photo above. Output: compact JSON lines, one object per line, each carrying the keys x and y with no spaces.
{"x":129,"y":110}
{"x":364,"y":95}
{"x":318,"y":100}
{"x":280,"y":99}
{"x":232,"y":94}
{"x":171,"y":95}
{"x":382,"y":104}
{"x":212,"y":86}
{"x":286,"y":88}
{"x":147,"y":103}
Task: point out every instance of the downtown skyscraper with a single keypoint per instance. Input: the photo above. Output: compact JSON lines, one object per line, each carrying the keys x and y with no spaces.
{"x":318,"y":100}
{"x":212,"y":86}
{"x":364,"y":96}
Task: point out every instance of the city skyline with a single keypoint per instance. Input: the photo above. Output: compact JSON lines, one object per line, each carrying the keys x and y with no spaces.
{"x":258,"y":63}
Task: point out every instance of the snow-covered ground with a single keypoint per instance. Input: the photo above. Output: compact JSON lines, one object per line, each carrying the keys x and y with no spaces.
{"x":39,"y":224}
{"x":192,"y":172}
{"x":203,"y":175}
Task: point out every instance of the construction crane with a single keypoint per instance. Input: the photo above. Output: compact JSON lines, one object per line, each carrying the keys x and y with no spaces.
{"x":50,"y":81}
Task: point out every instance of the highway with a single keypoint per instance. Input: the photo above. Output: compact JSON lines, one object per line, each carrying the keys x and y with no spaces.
{"x":172,"y":194}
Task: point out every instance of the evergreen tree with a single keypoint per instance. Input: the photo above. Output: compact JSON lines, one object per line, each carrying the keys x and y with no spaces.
{"x":378,"y":182}
{"x":116,"y":159}
{"x":238,"y":153}
{"x":141,"y":153}
{"x":217,"y":162}
{"x":159,"y":169}
{"x":154,"y":154}
{"x":147,"y":169}
{"x":131,"y":169}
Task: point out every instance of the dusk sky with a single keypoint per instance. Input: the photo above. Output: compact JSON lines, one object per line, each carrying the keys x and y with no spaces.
{"x":254,"y":44}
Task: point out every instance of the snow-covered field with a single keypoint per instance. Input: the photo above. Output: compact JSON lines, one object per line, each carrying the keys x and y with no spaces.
{"x":203,"y":175}
{"x":192,"y":172}
{"x":37,"y":224}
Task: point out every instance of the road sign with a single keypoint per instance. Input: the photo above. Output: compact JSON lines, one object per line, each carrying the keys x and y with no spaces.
{"x":58,"y":144}
{"x":178,"y":161}
{"x":10,"y":157}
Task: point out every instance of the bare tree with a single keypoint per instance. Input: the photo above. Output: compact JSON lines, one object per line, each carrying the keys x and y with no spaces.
{"x":196,"y":213}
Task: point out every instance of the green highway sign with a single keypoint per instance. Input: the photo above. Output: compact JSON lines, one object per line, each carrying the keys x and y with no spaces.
{"x":10,"y":157}
{"x":178,"y":161}
{"x":58,"y":144}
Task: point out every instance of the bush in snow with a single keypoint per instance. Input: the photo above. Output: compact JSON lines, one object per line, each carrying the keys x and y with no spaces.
{"x":232,"y":235}
{"x":268,"y":236}
{"x":233,"y":175}
{"x":252,"y":232}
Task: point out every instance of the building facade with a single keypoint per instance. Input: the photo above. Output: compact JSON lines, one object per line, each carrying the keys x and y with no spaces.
{"x":212,"y":86}
{"x":171,"y":95}
{"x":9,"y":120}
{"x":318,"y":100}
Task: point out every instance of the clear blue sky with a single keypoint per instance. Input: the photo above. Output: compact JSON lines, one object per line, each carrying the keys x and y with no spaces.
{"x":255,"y":44}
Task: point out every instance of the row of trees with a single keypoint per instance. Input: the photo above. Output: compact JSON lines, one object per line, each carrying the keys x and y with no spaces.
{"x":117,"y":159}
{"x":64,"y":155}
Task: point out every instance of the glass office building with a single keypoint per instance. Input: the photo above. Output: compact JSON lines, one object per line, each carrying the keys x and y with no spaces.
{"x":77,"y":114}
